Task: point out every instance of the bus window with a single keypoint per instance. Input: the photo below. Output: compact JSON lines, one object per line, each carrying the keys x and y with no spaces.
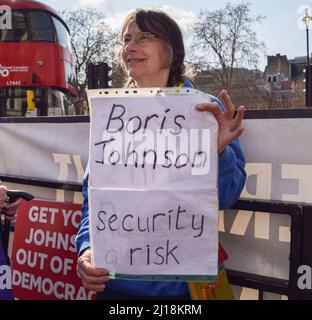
{"x":59,"y":104}
{"x":28,"y":25}
{"x":40,"y":26}
{"x":19,"y":31}
{"x":62,"y":34}
{"x":14,"y":102}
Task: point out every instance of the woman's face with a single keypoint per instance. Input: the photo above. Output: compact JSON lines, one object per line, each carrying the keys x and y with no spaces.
{"x":146,"y":57}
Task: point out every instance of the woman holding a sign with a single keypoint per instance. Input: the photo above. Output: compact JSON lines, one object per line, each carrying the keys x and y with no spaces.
{"x":153,"y":55}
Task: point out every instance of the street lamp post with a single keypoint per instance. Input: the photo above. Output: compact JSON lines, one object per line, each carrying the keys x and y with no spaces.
{"x":306,"y":19}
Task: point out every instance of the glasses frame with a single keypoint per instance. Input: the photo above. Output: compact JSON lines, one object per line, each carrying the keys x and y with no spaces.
{"x":150,"y":37}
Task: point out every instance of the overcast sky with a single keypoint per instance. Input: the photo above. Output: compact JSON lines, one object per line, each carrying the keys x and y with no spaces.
{"x":281,"y":31}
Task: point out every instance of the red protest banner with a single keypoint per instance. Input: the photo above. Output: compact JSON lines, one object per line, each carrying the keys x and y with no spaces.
{"x":44,"y":252}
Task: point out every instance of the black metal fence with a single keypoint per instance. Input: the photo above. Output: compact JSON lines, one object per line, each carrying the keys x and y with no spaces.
{"x":300,"y":243}
{"x":263,"y":284}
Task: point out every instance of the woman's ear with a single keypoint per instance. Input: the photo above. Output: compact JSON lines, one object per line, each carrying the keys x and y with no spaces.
{"x":170,"y":58}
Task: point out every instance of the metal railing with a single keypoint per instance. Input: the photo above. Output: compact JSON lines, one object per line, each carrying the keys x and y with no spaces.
{"x":300,"y":243}
{"x":267,"y":284}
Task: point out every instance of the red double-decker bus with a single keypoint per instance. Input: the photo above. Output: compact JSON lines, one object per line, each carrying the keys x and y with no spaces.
{"x":37,"y":68}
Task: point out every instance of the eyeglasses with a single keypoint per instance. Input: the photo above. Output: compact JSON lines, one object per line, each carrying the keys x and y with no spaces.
{"x":141,"y":39}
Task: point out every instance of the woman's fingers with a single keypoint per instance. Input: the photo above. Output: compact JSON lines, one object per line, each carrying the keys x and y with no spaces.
{"x":237,"y":121}
{"x":229,"y":128}
{"x":10,"y":210}
{"x":3,"y":197}
{"x":219,"y":114}
{"x":236,"y":133}
{"x":85,"y":269}
{"x":228,"y":105}
{"x":3,"y":193}
{"x":3,"y":206}
{"x":94,"y":287}
{"x":15,"y":204}
{"x":211,"y":107}
{"x":91,"y":274}
{"x":92,"y":278}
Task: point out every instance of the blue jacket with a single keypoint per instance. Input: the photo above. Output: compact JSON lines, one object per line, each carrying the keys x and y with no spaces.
{"x":232,"y":179}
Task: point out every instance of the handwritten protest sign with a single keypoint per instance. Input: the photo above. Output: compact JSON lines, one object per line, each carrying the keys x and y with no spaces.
{"x":44,"y":252}
{"x":153,"y":184}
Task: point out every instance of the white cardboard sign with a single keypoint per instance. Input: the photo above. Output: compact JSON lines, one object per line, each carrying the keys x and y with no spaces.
{"x":153,"y":195}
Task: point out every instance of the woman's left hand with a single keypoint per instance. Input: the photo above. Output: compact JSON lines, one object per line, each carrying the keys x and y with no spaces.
{"x":229,"y":128}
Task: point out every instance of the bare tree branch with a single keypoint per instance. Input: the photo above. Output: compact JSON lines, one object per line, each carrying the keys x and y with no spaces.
{"x":225,"y":37}
{"x":92,"y":40}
